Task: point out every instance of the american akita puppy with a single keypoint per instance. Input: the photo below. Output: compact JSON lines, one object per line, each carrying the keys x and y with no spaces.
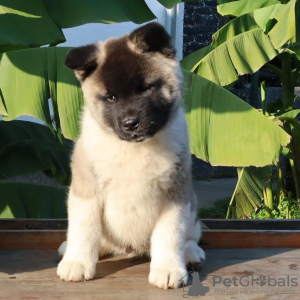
{"x":131,"y":185}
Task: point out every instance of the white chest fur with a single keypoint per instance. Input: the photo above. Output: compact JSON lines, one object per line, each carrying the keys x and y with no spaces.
{"x":132,"y":179}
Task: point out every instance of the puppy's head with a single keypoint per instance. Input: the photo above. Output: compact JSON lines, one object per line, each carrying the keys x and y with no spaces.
{"x":131,"y":83}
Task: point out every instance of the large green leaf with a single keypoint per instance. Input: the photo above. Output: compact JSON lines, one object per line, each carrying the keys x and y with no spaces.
{"x":27,"y":147}
{"x":225,"y":130}
{"x":32,"y":76}
{"x":192,"y":60}
{"x":243,"y":54}
{"x":23,"y":200}
{"x":70,"y":13}
{"x":290,"y":115}
{"x":257,"y":19}
{"x":172,"y":3}
{"x":248,"y":194}
{"x":242,"y":7}
{"x":39,"y":22}
{"x":169,"y":3}
{"x":27,"y":23}
{"x":287,"y":23}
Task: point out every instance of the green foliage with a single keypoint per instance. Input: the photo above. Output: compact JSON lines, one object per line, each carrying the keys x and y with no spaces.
{"x":247,"y":196}
{"x":231,"y":58}
{"x":22,"y":200}
{"x":28,"y":79}
{"x":243,"y":7}
{"x":172,"y":3}
{"x":40,"y":74}
{"x":223,"y":129}
{"x":259,"y":18}
{"x":217,"y":117}
{"x":288,"y":208}
{"x":261,"y":31}
{"x":218,"y":211}
{"x":27,"y":147}
{"x":39,"y":22}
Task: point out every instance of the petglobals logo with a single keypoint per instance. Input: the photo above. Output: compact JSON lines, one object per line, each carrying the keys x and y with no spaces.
{"x":251,"y":281}
{"x":243,"y":285}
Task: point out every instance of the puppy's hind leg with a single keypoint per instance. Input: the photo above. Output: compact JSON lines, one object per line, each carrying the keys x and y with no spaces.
{"x":62,"y":249}
{"x":193,"y":254}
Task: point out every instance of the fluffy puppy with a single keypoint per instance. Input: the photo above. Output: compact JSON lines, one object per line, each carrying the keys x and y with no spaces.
{"x":131,"y":185}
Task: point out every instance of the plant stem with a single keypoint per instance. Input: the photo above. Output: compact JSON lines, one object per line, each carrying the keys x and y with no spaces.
{"x":263,"y":97}
{"x":287,"y":81}
{"x":280,"y":188}
{"x":268,"y":198}
{"x":296,"y":179}
{"x":254,"y":90}
{"x":274,"y":69}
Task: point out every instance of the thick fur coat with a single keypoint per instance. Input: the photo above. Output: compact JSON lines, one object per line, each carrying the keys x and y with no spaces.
{"x":131,"y":188}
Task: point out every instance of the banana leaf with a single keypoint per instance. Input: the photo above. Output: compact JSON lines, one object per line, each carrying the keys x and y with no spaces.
{"x":290,"y":115}
{"x":32,"y":77}
{"x":172,"y":3}
{"x":23,"y":200}
{"x":191,"y":61}
{"x":244,"y":54}
{"x":27,"y":23}
{"x":224,"y":130}
{"x":248,"y":194}
{"x":39,"y":22}
{"x":27,"y":147}
{"x":259,"y":18}
{"x":71,"y":13}
{"x":287,"y":28}
{"x":242,"y":7}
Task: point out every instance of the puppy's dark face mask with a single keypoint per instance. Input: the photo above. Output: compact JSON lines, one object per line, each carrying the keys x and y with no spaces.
{"x":135,"y":88}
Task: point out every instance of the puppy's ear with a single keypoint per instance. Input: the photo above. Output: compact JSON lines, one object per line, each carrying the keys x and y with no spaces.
{"x":152,"y":37}
{"x":83,"y":60}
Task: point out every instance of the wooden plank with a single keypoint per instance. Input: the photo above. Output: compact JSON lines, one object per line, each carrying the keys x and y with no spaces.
{"x":39,"y":224}
{"x":32,"y":275}
{"x":227,"y":234}
{"x":33,"y":239}
{"x":230,"y":239}
{"x":211,"y":239}
{"x":251,"y":224}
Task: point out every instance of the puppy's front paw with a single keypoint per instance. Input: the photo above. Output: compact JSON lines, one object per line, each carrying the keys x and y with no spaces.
{"x":168,"y":277}
{"x":75,"y":271}
{"x":194,"y":255}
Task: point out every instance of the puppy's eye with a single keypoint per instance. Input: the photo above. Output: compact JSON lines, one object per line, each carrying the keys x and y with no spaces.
{"x":149,"y":87}
{"x":111,"y":98}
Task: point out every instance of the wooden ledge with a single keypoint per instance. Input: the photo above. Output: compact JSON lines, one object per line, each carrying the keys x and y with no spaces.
{"x":217,"y":234}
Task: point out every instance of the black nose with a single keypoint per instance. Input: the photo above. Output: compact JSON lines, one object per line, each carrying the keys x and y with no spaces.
{"x":131,"y":124}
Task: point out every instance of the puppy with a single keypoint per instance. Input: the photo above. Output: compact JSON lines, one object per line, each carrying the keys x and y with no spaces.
{"x":131,"y":185}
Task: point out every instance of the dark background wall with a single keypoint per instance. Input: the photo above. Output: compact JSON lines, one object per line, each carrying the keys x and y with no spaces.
{"x":201,"y":20}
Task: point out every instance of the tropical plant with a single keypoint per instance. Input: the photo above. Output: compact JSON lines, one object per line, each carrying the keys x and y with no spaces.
{"x":35,"y":82}
{"x":224,"y":130}
{"x":260,"y":33}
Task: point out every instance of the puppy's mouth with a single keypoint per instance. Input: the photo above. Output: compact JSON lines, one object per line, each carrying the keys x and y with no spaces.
{"x":138,"y":138}
{"x":135,"y":138}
